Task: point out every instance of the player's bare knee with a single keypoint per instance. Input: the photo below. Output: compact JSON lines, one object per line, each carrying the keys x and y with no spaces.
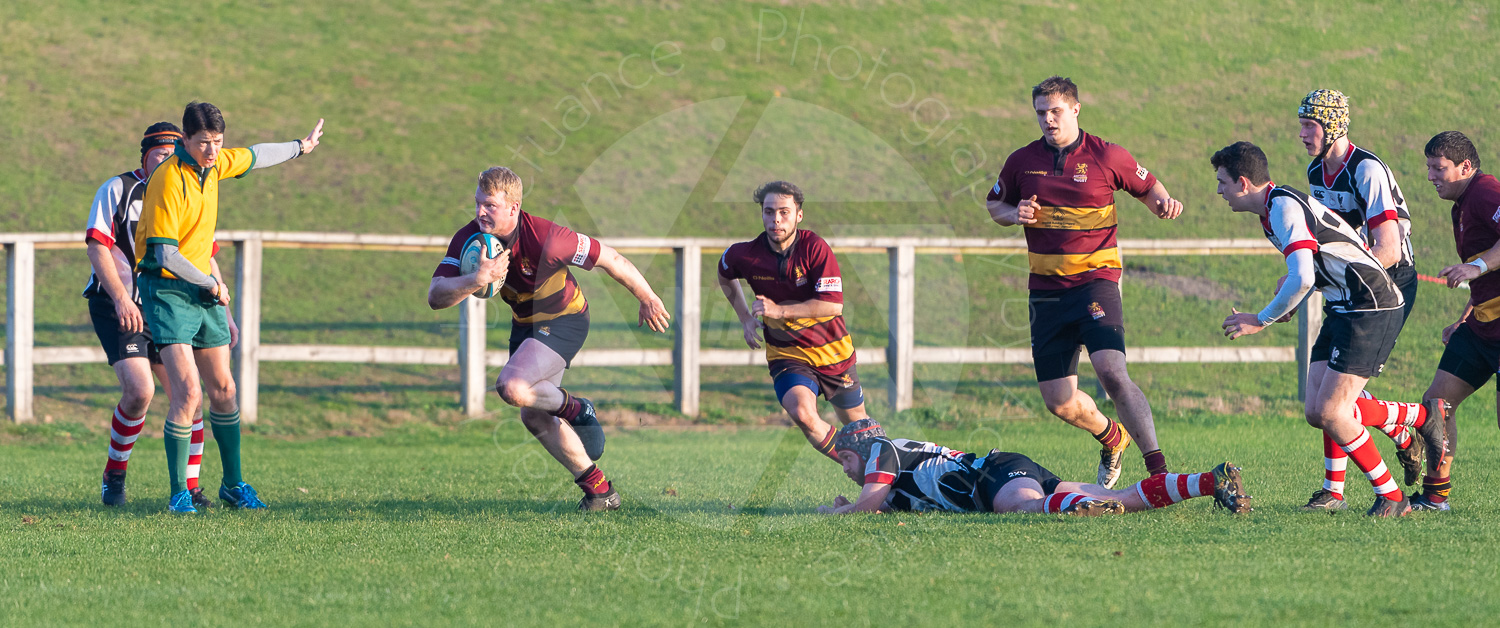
{"x":135,"y":399}
{"x":1116,"y":382}
{"x":516,"y":392}
{"x":221,"y":394}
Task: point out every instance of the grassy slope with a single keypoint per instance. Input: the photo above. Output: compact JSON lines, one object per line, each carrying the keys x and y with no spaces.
{"x":420,"y":95}
{"x":469,"y":526}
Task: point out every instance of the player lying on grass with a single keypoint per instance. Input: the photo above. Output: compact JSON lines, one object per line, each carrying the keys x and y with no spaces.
{"x":901,"y":474}
{"x":549,"y":320}
{"x":799,"y":302}
{"x":1364,"y":315}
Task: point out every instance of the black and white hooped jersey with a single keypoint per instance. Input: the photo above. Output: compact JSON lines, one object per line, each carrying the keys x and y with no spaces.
{"x":1348,"y":275}
{"x":1364,"y":193}
{"x":112,"y":220}
{"x":924,"y":476}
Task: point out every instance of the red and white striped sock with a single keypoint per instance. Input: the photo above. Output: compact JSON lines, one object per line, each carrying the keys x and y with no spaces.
{"x":123,"y":430}
{"x":1335,"y":461}
{"x":1362,"y":450}
{"x":1391,"y":417}
{"x":1165,"y":489}
{"x":1058,"y":502}
{"x":195,"y":453}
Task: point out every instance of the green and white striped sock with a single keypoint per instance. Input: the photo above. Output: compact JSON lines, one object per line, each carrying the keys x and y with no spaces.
{"x":226,"y":429}
{"x":177,"y":440}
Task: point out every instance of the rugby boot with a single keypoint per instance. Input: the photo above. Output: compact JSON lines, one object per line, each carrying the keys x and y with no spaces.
{"x":199,"y":499}
{"x":1229,"y":490}
{"x":113,"y":489}
{"x":1387,"y":508}
{"x":181,"y":502}
{"x":1434,"y":431}
{"x":1111,"y":460}
{"x":605,"y":501}
{"x":240,"y":496}
{"x":1412,"y":457}
{"x":1324,"y":500}
{"x":1094,"y":508}
{"x":586,"y":425}
{"x":1420,"y":501}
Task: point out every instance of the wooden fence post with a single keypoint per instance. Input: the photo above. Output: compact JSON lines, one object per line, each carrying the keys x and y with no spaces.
{"x":1309,"y":323}
{"x":247,"y":280}
{"x":20,"y":329}
{"x":902,"y":335}
{"x":689,"y":324}
{"x":471,"y":354}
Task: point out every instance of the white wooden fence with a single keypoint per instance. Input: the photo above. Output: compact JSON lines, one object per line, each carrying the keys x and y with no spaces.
{"x":473,"y":357}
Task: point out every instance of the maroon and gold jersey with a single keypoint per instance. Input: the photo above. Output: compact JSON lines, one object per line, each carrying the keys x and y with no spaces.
{"x":1073,"y":240}
{"x":1476,"y":228}
{"x":808,"y":271}
{"x":538,"y":286}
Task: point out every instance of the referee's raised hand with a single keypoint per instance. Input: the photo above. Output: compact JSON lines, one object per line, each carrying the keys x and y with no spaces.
{"x":311,"y":141}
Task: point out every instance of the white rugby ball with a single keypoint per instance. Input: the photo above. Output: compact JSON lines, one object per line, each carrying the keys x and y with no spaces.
{"x":480,"y":244}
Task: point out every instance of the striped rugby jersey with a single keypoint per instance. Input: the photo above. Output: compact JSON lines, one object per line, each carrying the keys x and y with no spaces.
{"x":924,"y":476}
{"x":1073,"y":240}
{"x":113,"y":217}
{"x":1364,"y":193}
{"x":1348,"y":275}
{"x":1476,"y":228}
{"x":538,"y":286}
{"x":808,"y":271}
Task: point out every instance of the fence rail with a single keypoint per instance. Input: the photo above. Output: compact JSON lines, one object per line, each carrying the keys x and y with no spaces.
{"x":686,"y":356}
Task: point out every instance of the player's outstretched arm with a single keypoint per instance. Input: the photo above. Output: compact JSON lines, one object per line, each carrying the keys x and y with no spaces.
{"x":653,"y":314}
{"x":870,"y":499}
{"x":1459,"y":273}
{"x":276,"y":153}
{"x":1161,"y":203}
{"x":446,"y":292}
{"x":748,"y":322}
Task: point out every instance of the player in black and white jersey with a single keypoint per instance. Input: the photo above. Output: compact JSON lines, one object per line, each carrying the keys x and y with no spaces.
{"x":1364,"y":312}
{"x":114,"y":308}
{"x":912,"y":475}
{"x":1361,"y":189}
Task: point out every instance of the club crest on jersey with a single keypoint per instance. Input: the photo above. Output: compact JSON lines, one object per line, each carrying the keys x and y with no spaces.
{"x":799,"y":276}
{"x":545,"y":330}
{"x":829,"y":284}
{"x":1096,"y":311}
{"x":1081,"y":173}
{"x":526,"y":267}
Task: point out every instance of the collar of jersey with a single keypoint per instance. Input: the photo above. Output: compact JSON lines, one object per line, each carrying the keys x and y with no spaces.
{"x":1270,"y":188}
{"x":1066,"y":150}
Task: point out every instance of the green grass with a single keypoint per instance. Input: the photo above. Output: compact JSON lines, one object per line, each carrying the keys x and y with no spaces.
{"x":474,"y":525}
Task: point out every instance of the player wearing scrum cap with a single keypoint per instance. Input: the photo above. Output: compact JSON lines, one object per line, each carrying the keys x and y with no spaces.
{"x":1364,"y":315}
{"x":1361,"y":189}
{"x":902,"y":474}
{"x":549,"y":320}
{"x":799,"y":303}
{"x":114,"y":309}
{"x":1061,"y":190}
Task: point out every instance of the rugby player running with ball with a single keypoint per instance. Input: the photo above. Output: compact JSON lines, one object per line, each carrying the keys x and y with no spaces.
{"x":550,"y":320}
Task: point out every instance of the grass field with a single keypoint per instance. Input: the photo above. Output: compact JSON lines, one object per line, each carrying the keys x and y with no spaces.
{"x":471,"y":526}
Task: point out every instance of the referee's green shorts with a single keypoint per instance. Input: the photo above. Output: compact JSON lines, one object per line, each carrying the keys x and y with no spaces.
{"x":178,"y":312}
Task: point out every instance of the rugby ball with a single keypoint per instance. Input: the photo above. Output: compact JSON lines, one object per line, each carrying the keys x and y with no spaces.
{"x":480,"y":244}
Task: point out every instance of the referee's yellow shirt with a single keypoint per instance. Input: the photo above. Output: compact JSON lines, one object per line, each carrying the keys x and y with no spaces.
{"x":181,"y":206}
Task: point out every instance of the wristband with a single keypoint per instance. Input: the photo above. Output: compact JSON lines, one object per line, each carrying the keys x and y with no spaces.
{"x":1479,"y":263}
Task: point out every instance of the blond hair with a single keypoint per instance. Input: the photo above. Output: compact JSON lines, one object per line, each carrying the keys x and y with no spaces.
{"x":501,"y":179}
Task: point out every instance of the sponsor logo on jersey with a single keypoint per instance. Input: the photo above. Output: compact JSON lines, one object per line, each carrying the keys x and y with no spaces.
{"x":829,"y":284}
{"x":998,"y":190}
{"x":1496,"y":217}
{"x":1096,"y":311}
{"x":762,"y":278}
{"x":581,"y":254}
{"x":1041,"y":172}
{"x":1140,"y":171}
{"x":1013,"y":474}
{"x":1081,"y":173}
